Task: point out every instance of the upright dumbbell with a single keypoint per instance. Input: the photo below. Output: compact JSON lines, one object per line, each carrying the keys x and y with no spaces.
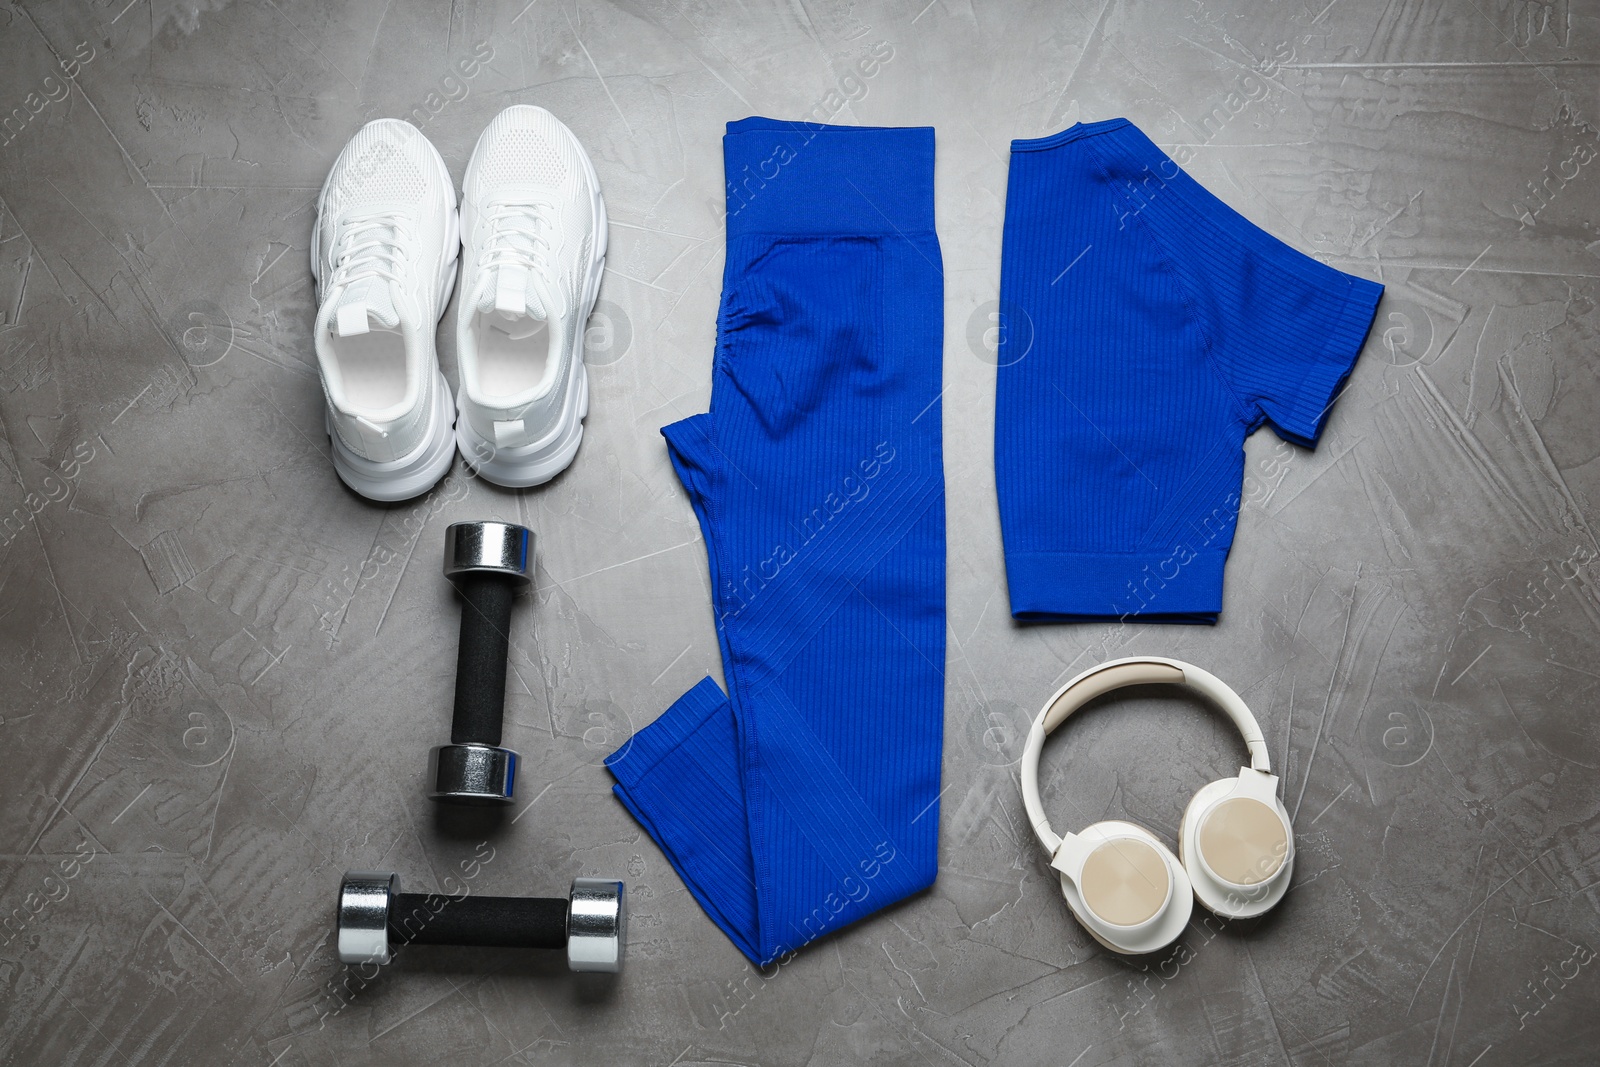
{"x":375,"y":917}
{"x":488,"y":562}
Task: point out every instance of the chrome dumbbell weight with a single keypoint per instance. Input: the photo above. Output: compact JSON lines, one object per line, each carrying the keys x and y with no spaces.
{"x":375,"y":918}
{"x":487,"y":562}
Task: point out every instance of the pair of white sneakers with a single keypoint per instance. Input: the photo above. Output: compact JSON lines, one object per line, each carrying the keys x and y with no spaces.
{"x":531,"y":238}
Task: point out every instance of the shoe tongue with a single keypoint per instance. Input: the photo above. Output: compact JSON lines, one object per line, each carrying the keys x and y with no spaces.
{"x":512,"y":301}
{"x":364,"y":304}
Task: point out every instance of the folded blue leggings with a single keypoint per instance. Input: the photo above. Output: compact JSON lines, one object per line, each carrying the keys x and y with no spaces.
{"x":808,"y":797}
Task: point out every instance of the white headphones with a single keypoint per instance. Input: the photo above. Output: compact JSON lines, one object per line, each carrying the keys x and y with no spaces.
{"x":1127,"y":888}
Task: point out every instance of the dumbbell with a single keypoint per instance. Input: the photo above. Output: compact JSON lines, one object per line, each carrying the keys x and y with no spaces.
{"x":487,"y":562}
{"x":375,"y":917}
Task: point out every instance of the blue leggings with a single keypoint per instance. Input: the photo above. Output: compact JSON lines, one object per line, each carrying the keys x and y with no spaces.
{"x":808,"y":797}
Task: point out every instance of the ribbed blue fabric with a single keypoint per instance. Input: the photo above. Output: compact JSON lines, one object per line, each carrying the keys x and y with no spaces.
{"x":1148,"y":328}
{"x":808,"y":797}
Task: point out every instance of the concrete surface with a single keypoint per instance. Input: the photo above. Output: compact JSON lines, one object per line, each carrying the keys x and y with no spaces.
{"x":222,"y":670}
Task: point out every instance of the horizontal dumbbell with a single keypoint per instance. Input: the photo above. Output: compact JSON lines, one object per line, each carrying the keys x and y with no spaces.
{"x":375,"y":918}
{"x":487,"y":562}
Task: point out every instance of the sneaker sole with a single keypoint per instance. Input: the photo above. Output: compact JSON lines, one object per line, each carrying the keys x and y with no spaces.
{"x":420,"y":470}
{"x":537,"y":463}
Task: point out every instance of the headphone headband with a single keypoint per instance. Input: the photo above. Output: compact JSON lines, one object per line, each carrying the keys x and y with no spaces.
{"x":1117,"y":674}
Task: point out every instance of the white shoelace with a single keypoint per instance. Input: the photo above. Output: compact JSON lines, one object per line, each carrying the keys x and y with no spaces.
{"x":379,"y":256}
{"x":516,"y":234}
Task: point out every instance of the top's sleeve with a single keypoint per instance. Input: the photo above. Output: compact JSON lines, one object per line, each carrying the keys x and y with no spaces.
{"x":1285,"y":330}
{"x":1290,"y":331}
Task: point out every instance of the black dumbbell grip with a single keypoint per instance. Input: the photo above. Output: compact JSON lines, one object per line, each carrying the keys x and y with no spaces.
{"x":485,"y":922}
{"x":481,"y":657}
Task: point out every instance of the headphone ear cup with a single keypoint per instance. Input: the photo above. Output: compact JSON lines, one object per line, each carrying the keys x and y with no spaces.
{"x":1112,"y":896}
{"x":1239,"y":857}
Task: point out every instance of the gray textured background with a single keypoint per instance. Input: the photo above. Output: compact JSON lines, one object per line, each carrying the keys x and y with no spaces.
{"x":222,"y":670}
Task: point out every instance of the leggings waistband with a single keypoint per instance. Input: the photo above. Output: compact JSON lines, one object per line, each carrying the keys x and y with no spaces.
{"x":808,"y":178}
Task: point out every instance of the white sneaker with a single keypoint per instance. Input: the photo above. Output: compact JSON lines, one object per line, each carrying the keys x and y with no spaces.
{"x":383,"y":252}
{"x":533,"y":234}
